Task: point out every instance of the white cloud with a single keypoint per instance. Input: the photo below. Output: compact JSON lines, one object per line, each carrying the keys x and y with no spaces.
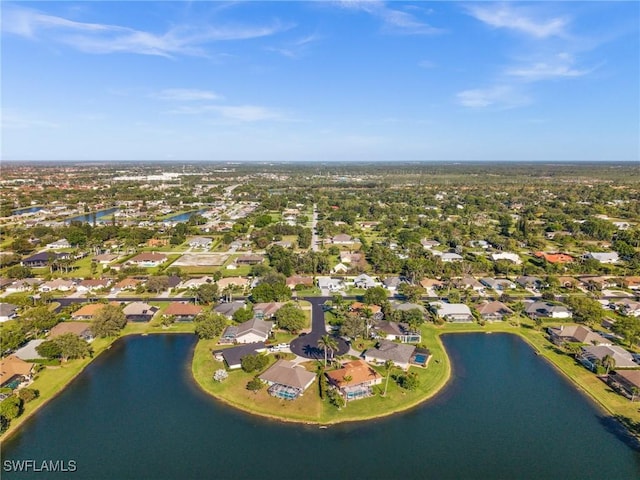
{"x":519,"y":19}
{"x":497,"y":96}
{"x":395,"y":21}
{"x":104,"y":38}
{"x":560,"y":66}
{"x":240,"y":113}
{"x":186,"y":95}
{"x":20,"y":120}
{"x":297,"y":48}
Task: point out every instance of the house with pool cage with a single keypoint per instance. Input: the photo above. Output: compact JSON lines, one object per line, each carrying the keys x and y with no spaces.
{"x":354,"y":380}
{"x":286,"y":380}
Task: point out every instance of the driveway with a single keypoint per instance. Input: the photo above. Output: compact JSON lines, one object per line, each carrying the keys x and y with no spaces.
{"x":307,"y":345}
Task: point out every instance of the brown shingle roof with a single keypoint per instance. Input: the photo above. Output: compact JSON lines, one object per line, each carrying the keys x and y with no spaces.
{"x":358,"y":371}
{"x":12,"y":366}
{"x":77,"y":328}
{"x":177,"y":308}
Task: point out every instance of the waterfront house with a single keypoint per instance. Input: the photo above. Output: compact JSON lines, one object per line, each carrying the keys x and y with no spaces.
{"x":13,"y":371}
{"x":452,"y":312}
{"x":575,"y":334}
{"x":493,"y":311}
{"x":400,"y":354}
{"x":8,"y":311}
{"x":286,"y":380}
{"x":547,"y":310}
{"x":395,"y":331}
{"x":182,"y":312}
{"x":354,"y":380}
{"x":139,"y":312}
{"x":88,"y":311}
{"x":233,"y":356}
{"x":81,"y":329}
{"x":592,"y":356}
{"x":627,"y":381}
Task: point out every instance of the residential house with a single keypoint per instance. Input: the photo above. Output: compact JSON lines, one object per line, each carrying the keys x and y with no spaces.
{"x":88,"y":311}
{"x":105,"y":258}
{"x":626,"y":380}
{"x":303,"y":280}
{"x":200,"y":242}
{"x":526,"y":281}
{"x":330,"y":284}
{"x":139,"y":312}
{"x":354,"y":380}
{"x":194,"y":283}
{"x":93,"y":284}
{"x":498,"y":284}
{"x":493,"y":311}
{"x":266,"y":310}
{"x":42,"y":259}
{"x":57,"y":284}
{"x":547,"y":310}
{"x":23,"y":285}
{"x":237,"y":282}
{"x":364,"y":281}
{"x":233,"y":356}
{"x":469,"y":283}
{"x":13,"y":371}
{"x":182,"y":312}
{"x":340,"y":268}
{"x":592,"y":356}
{"x":392,"y":284}
{"x":5,"y":282}
{"x":357,"y":308}
{"x":429,"y":244}
{"x":603,"y":257}
{"x":575,"y":334}
{"x":399,"y":353}
{"x":632,"y":283}
{"x":28,"y":351}
{"x":229,"y":308}
{"x":81,"y":329}
{"x":407,"y":306}
{"x":430,"y":285}
{"x":249,"y":259}
{"x":448,"y":257}
{"x":148,"y":259}
{"x":395,"y":331}
{"x":511,"y":257}
{"x":252,"y":331}
{"x":8,"y":311}
{"x":158,"y":242}
{"x":342,"y":239}
{"x":628,"y":307}
{"x":62,"y":243}
{"x":283,"y":243}
{"x":453,"y":312}
{"x":128,"y":283}
{"x":286,"y":380}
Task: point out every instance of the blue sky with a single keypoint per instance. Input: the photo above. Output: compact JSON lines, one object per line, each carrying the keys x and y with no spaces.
{"x":321,"y":81}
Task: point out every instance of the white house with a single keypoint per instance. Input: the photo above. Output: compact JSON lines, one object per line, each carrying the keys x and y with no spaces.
{"x":603,"y":257}
{"x":452,"y":312}
{"x":329,"y":283}
{"x":547,"y":310}
{"x":62,"y":243}
{"x":451,"y":257}
{"x":512,"y":257}
{"x":254,"y":330}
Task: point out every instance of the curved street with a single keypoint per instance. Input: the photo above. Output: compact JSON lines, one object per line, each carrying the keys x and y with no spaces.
{"x":306,"y":345}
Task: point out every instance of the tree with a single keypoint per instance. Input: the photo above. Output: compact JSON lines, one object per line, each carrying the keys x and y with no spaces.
{"x":157,"y":283}
{"x":628,"y":328}
{"x":255,"y":384}
{"x":411,"y":293}
{"x":19,"y":272}
{"x":291,"y":318}
{"x":39,"y":319}
{"x":243,"y":314}
{"x":388,"y":366}
{"x":207,"y":293}
{"x":326,"y":343}
{"x":335,"y":398}
{"x":609,"y":363}
{"x":267,"y":292}
{"x":352,"y":327}
{"x":635,"y":391}
{"x":49,"y":349}
{"x":72,"y":346}
{"x":251,"y":363}
{"x":409,"y":381}
{"x":108,"y":321}
{"x":11,"y":407}
{"x":210,"y":325}
{"x":12,"y":336}
{"x":375,"y":296}
{"x":28,"y":394}
{"x":586,"y":309}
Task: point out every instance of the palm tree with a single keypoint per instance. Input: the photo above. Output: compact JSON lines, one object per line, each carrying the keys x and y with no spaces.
{"x":609,"y":363}
{"x":634,"y":393}
{"x":327,"y":342}
{"x":388,"y":366}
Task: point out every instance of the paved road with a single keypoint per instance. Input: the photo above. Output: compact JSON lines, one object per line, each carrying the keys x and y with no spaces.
{"x":315,"y":243}
{"x":307,"y":345}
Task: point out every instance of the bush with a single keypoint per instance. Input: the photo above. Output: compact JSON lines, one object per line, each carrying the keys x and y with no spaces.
{"x":251,"y":363}
{"x":28,"y":394}
{"x":408,"y":381}
{"x":11,"y":407}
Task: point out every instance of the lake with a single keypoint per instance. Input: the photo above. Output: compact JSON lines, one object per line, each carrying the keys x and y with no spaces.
{"x":136,"y":413}
{"x":89,"y":217}
{"x":184,"y":217}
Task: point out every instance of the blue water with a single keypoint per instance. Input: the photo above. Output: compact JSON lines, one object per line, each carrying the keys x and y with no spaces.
{"x":183,"y":217}
{"x":20,"y":211}
{"x":135,"y":413}
{"x":90,"y":216}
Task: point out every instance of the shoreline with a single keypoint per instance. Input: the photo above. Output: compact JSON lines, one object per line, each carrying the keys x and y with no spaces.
{"x":435,"y":390}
